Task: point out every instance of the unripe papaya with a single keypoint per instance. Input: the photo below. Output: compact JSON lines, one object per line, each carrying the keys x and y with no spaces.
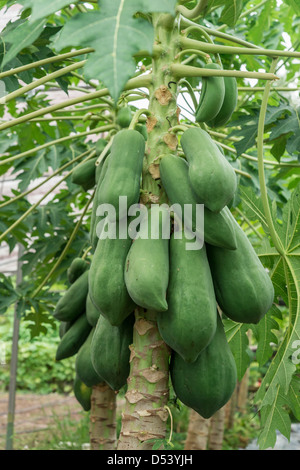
{"x":64,"y":326}
{"x":94,"y":218}
{"x":190,"y":322}
{"x":107,"y":287}
{"x":212,"y":96}
{"x":82,"y":393}
{"x":124,"y":117}
{"x":73,"y":338}
{"x":147,"y":263}
{"x":100,"y":146}
{"x":123,"y":174}
{"x":211,"y":176}
{"x":76,"y":268}
{"x":218,"y":228}
{"x":229,"y":103}
{"x":83,"y":363}
{"x":72,"y":304}
{"x":143,"y":130}
{"x":207,"y":384}
{"x":84,"y":175}
{"x":244,"y":290}
{"x":91,"y":311}
{"x":110,"y":351}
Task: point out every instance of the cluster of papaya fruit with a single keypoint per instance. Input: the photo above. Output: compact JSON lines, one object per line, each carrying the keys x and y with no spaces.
{"x":158,"y":273}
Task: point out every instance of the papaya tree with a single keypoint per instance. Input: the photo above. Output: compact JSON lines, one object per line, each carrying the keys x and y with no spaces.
{"x":174,"y":104}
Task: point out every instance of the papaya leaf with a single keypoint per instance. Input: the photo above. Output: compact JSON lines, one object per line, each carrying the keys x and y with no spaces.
{"x":231,"y":14}
{"x":20,"y":37}
{"x":116,"y":36}
{"x":236,"y":334}
{"x":41,"y":9}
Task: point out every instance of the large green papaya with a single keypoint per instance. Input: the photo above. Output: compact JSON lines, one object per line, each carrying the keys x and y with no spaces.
{"x":82,"y":393}
{"x":72,"y":304}
{"x":211,"y":176}
{"x":207,"y":384}
{"x":73,"y":339}
{"x":107,"y":287}
{"x":110,"y":351}
{"x":84,"y":175}
{"x":83,"y":363}
{"x":95,"y":219}
{"x":244,"y":290}
{"x":190,"y":322}
{"x":229,"y":103}
{"x":122,"y":178}
{"x":91,"y":311}
{"x":218,"y":229}
{"x":147,"y":263}
{"x":212,"y":96}
{"x":76,"y":268}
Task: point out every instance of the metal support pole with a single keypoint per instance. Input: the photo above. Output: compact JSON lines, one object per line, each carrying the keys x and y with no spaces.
{"x":14,"y":363}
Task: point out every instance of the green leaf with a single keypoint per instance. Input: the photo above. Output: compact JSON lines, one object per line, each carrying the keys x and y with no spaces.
{"x":295,"y":4}
{"x":22,"y":36}
{"x":236,"y":334}
{"x":231,"y":13}
{"x":41,"y":9}
{"x":116,"y":36}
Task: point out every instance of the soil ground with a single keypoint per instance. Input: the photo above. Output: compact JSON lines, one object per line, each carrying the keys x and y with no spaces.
{"x":36,"y":415}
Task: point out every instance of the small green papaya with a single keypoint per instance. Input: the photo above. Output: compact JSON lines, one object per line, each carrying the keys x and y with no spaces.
{"x":142,"y":128}
{"x":147,"y":263}
{"x":83,"y":363}
{"x":190,"y":322}
{"x":110,"y":351}
{"x":100,"y":146}
{"x":212,"y":96}
{"x":244,"y":290}
{"x":208,"y":383}
{"x":107,"y":287}
{"x":72,"y":304}
{"x":82,"y":393}
{"x":124,"y":117}
{"x":218,"y":229}
{"x":92,"y":313}
{"x":84,"y":175}
{"x":229,"y":103}
{"x":212,"y":177}
{"x":76,"y":268}
{"x":73,"y":339}
{"x":123,"y":175}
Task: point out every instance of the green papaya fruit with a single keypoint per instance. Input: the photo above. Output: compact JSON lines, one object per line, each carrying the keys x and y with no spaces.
{"x":84,"y":175}
{"x":229,"y":103}
{"x":244,"y":290}
{"x":123,"y":174}
{"x":124,"y":116}
{"x":63,"y":328}
{"x":100,"y":146}
{"x":147,"y":263}
{"x":212,"y":96}
{"x":142,"y":128}
{"x":82,"y":393}
{"x":218,"y":229}
{"x":92,"y":313}
{"x":110,"y":351}
{"x":83,"y":363}
{"x":73,"y":339}
{"x":107,"y":287}
{"x":190,"y":322}
{"x":76,"y":268}
{"x":72,"y":304}
{"x":206,"y":384}
{"x":211,"y":176}
{"x":95,"y":219}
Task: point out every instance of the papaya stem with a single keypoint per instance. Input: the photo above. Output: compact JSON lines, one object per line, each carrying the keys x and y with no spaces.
{"x":65,"y":250}
{"x":136,"y":117}
{"x":190,"y":91}
{"x":57,"y":172}
{"x":261,"y":171}
{"x":181,"y":71}
{"x":104,"y":152}
{"x":195,"y":12}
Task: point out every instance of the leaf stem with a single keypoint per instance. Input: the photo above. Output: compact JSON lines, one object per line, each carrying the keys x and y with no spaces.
{"x":261,"y":171}
{"x":195,"y":12}
{"x":136,"y":117}
{"x":65,"y":250}
{"x":182,"y":71}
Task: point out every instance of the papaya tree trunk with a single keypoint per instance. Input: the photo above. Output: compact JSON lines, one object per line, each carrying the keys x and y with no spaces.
{"x":144,"y":417}
{"x":216,"y":433}
{"x":103,"y":418}
{"x":197,"y":433}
